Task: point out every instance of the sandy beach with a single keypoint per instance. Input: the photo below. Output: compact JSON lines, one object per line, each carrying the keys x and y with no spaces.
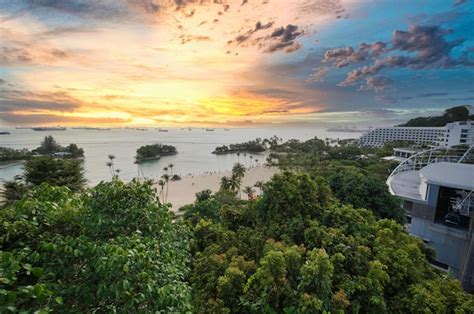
{"x":183,"y":192}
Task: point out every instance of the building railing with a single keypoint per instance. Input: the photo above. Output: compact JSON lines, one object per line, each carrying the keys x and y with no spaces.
{"x":456,"y":154}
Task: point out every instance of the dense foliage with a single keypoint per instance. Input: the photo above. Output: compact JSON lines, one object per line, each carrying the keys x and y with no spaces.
{"x":10,"y":154}
{"x":255,"y":146}
{"x":45,"y":169}
{"x":112,"y":248}
{"x":50,"y":147}
{"x":154,"y":151}
{"x":460,"y":113}
{"x":297,"y":249}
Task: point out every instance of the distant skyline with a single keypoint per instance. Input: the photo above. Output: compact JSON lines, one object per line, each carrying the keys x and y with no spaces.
{"x":232,"y":63}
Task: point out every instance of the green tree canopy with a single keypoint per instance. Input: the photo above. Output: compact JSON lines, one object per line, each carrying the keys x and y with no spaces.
{"x":111,"y":249}
{"x":298,"y":249}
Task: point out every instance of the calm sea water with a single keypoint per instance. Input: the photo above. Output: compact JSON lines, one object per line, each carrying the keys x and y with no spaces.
{"x":194,"y":148}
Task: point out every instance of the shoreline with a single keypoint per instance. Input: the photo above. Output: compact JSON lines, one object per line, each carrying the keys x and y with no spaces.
{"x":184,"y":191}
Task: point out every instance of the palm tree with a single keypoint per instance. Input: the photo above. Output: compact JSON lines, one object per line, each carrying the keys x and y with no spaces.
{"x":112,"y":157}
{"x":235,"y":183}
{"x":162,"y":183}
{"x":250,"y":161}
{"x":250,"y":192}
{"x":238,"y":170}
{"x":225,"y":183}
{"x":170,"y":166}
{"x":110,"y":164}
{"x":117,"y":171}
{"x":238,"y":158}
{"x":166,"y":177}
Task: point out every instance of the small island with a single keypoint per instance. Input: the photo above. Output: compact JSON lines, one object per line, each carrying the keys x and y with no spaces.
{"x":154,"y":152}
{"x":48,"y":147}
{"x":255,"y":146}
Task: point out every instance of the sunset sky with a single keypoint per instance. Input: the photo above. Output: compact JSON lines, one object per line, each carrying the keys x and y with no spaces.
{"x":242,"y":62}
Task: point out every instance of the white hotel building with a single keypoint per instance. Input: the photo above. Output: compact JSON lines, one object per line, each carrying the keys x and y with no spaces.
{"x":455,"y":133}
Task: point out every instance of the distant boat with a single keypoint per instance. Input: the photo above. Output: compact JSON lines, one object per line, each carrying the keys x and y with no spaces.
{"x":189,"y":129}
{"x":209,"y":130}
{"x":4,"y":133}
{"x":226,"y":129}
{"x":91,"y":129}
{"x":162,"y":130}
{"x":46,"y":128}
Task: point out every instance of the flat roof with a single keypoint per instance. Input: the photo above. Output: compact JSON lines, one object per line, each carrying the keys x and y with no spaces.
{"x":406,"y":185}
{"x":450,"y":174}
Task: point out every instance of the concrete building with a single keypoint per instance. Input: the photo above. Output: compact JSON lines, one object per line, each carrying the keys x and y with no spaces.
{"x":437,"y":187}
{"x":455,"y":133}
{"x":419,"y":135}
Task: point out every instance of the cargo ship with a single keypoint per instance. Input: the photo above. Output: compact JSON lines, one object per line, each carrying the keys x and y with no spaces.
{"x":46,"y":128}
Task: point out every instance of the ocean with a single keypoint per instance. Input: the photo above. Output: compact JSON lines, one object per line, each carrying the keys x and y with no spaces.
{"x":194,"y":148}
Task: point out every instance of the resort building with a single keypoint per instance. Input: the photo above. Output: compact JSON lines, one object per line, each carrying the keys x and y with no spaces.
{"x":437,"y":187}
{"x":419,"y":135}
{"x":455,"y":133}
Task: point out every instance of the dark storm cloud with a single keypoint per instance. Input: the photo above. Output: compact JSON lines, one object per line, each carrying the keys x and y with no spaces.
{"x":283,"y":38}
{"x":342,"y":57}
{"x":245,"y":36}
{"x":427,"y":42}
{"x":420,"y":47}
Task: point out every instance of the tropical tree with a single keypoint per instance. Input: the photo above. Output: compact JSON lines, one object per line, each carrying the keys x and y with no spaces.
{"x":48,"y":146}
{"x":238,"y":170}
{"x":109,"y":164}
{"x":93,"y":252}
{"x":166,"y":178}
{"x":111,"y":158}
{"x":56,"y":172}
{"x":238,"y":173}
{"x":14,"y":189}
{"x":170,"y":166}
{"x":162,"y":184}
{"x":225,"y":183}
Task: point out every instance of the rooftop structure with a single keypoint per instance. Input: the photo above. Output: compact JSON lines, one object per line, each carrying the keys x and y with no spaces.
{"x":437,"y":187}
